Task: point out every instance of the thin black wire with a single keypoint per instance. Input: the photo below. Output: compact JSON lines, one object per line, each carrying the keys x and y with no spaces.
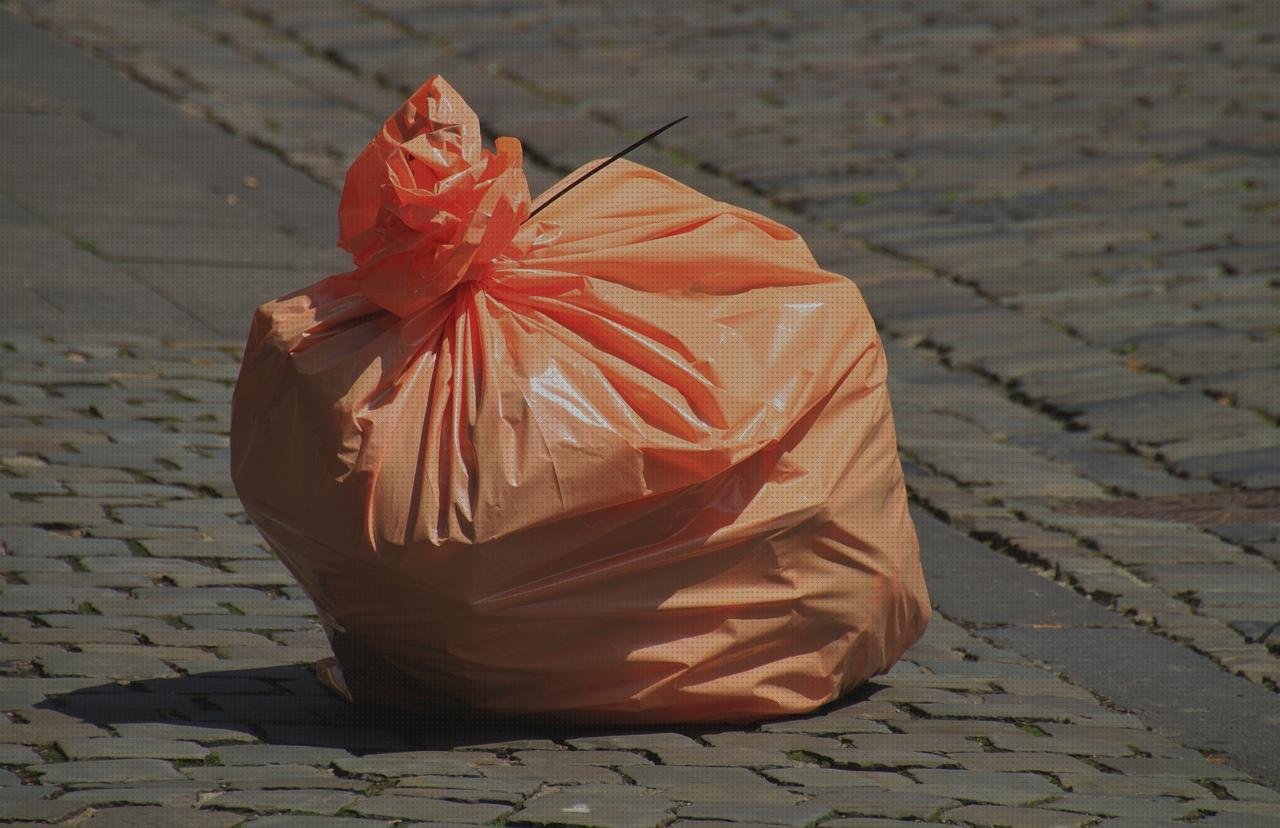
{"x":604,"y":164}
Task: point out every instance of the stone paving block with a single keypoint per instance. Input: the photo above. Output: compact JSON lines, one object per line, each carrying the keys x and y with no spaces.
{"x":464,"y":795}
{"x":552,"y":771}
{"x":1249,"y":791}
{"x":615,"y":805}
{"x":82,"y":580}
{"x":1151,"y":807}
{"x":39,"y":810}
{"x":986,"y":786}
{"x":813,"y":779}
{"x":873,"y":802}
{"x":1179,"y":768}
{"x":48,"y":598}
{"x":801,"y":814}
{"x":726,"y":757}
{"x":105,"y":665}
{"x":190,"y":733}
{"x":273,"y":777}
{"x":261,"y":754}
{"x":1059,"y":764}
{"x":160,"y":817}
{"x":866,"y":822}
{"x":11,"y":754}
{"x":294,"y":821}
{"x":866,"y":717}
{"x":40,"y":726}
{"x":1002,"y":815}
{"x":1228,"y":812}
{"x":160,"y":793}
{"x":109,"y":771}
{"x":130,"y":748}
{"x":603,"y":758}
{"x":417,"y":763}
{"x":18,"y":658}
{"x":958,"y":735}
{"x":652,"y":742}
{"x":1124,"y":784}
{"x":710,"y":783}
{"x":468,"y":787}
{"x":296,"y":800}
{"x":72,"y":511}
{"x":432,"y":810}
{"x":227,"y":621}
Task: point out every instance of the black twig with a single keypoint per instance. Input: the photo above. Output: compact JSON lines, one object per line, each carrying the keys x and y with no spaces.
{"x":597,"y":168}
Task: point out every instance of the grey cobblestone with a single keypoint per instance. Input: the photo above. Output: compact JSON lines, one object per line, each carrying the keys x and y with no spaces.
{"x":137,"y":747}
{"x":159,"y":817}
{"x":111,"y":771}
{"x":418,"y":808}
{"x":596,"y":805}
{"x":294,"y":800}
{"x":1003,"y":815}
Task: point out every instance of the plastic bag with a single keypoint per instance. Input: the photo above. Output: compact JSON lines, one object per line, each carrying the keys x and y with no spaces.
{"x":632,"y":460}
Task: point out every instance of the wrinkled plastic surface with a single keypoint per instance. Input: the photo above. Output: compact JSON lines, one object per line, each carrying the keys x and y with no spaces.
{"x":633,"y":460}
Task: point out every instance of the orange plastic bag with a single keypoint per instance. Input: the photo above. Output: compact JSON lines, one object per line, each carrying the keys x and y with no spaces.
{"x":632,"y":460}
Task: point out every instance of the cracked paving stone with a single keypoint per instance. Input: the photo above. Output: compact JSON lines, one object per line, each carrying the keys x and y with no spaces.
{"x":433,"y":810}
{"x":295,"y":800}
{"x":614,"y":805}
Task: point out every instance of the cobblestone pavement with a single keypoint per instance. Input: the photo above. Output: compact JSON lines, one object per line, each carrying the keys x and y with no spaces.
{"x":157,"y":667}
{"x":1062,"y":215}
